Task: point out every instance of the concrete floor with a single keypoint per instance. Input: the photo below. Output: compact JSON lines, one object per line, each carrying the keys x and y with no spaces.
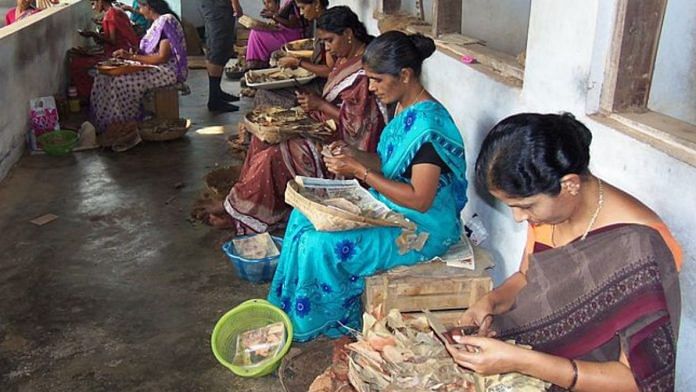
{"x":121,"y":292}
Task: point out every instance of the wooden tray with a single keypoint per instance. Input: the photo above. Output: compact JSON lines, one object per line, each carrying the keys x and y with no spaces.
{"x":118,"y":70}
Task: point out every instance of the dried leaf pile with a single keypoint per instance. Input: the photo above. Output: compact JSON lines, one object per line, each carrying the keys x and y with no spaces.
{"x":278,"y":116}
{"x":281,"y":74}
{"x":274,"y":124}
{"x":403,"y":354}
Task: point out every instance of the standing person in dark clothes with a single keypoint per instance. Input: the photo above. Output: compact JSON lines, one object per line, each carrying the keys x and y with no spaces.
{"x":219,"y":30}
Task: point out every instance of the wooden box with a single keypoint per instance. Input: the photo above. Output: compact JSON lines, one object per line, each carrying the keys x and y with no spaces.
{"x":447,"y":291}
{"x":163,"y":103}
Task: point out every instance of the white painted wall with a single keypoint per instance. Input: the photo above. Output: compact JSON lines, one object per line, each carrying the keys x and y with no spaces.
{"x":176,"y":6}
{"x":566,"y":54}
{"x":502,"y":24}
{"x":34,"y":50}
{"x":673,"y":90}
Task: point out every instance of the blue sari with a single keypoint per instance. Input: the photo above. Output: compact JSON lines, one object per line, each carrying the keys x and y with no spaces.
{"x":321,"y":275}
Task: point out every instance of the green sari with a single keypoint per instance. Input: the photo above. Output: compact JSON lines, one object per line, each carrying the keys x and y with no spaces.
{"x":320,"y":275}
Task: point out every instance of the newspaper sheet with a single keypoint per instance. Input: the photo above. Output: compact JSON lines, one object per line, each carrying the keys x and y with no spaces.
{"x":346,"y":195}
{"x":460,"y":255}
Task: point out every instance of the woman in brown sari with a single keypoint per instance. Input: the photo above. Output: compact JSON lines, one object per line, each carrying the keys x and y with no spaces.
{"x":597,"y":293}
{"x":256,"y":202}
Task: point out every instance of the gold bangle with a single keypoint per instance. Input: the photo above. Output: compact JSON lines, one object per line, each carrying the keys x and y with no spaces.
{"x":367,"y":171}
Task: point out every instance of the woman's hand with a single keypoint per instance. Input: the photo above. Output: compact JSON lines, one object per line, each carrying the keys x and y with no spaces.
{"x":289,"y":62}
{"x":122,"y":54}
{"x":344,"y":166}
{"x":87,"y":33}
{"x":486,"y":355}
{"x":268,"y":14}
{"x":309,"y":101}
{"x":341,"y":149}
{"x":480,"y":315}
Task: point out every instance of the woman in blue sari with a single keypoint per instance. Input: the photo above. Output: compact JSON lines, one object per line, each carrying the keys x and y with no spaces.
{"x":418,"y":171}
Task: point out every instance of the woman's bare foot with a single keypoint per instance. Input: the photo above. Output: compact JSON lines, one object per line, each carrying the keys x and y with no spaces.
{"x":221,"y":221}
{"x":204,"y":208}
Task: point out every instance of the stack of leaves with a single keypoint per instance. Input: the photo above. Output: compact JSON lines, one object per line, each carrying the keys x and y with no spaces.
{"x":403,"y":354}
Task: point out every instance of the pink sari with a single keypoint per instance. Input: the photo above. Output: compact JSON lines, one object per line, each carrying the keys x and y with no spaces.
{"x":256,"y":202}
{"x":11,"y":17}
{"x":264,"y":42}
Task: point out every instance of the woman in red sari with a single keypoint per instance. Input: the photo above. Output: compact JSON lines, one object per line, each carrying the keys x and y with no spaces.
{"x":597,"y":295}
{"x":256,"y":202}
{"x":23,"y":9}
{"x":117,"y":33}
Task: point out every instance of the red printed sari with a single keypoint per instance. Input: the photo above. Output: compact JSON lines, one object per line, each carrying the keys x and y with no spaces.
{"x":616,"y":291}
{"x":256,"y":202}
{"x":115,"y":20}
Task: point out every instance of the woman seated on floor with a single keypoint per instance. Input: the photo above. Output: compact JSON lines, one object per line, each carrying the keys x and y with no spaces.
{"x":320,"y":63}
{"x":117,"y":99}
{"x":262,"y":42}
{"x":256,"y":202}
{"x":419,"y":171}
{"x":23,"y":9}
{"x":597,"y":293}
{"x":117,"y":33}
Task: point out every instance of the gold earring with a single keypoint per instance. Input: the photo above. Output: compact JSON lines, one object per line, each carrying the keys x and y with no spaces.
{"x":350,"y":40}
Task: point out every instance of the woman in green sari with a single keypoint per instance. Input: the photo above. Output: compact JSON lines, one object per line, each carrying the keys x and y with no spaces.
{"x":418,"y":171}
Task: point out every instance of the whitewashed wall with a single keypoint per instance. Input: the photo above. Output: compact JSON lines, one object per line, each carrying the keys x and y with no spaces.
{"x":502,"y":24}
{"x":566,"y":53}
{"x":34,"y":50}
{"x":674,"y":80}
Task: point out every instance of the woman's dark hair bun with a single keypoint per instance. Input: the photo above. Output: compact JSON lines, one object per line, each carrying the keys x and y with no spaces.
{"x":395,"y":50}
{"x":424,"y":45}
{"x":529,"y":153}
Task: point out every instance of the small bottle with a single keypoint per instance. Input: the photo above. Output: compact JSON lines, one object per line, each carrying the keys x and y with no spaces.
{"x":62,"y":105}
{"x":73,"y":100}
{"x":475,"y":230}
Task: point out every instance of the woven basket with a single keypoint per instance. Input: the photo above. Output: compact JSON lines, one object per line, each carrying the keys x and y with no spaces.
{"x":121,"y":69}
{"x":251,"y":23}
{"x":295,"y":48}
{"x":274,"y":134}
{"x":326,"y":218}
{"x":220,"y":181}
{"x":118,"y":134}
{"x":159,"y":131}
{"x":239,"y":143}
{"x":268,"y":134}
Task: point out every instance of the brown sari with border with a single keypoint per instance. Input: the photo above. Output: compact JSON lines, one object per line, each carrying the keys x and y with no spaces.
{"x":616,"y":291}
{"x":256,"y":202}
